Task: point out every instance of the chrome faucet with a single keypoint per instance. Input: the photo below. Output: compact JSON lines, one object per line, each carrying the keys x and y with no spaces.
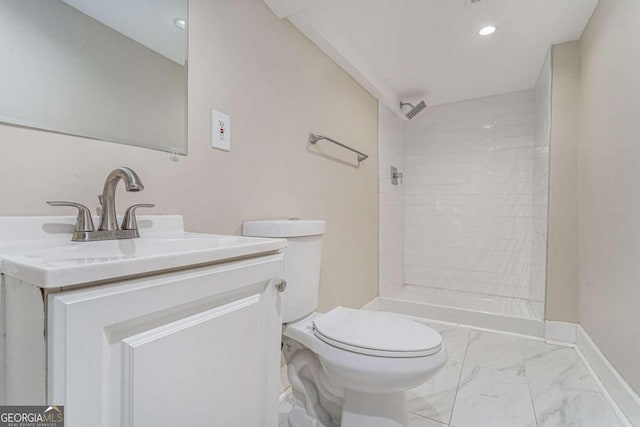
{"x":108,"y":220}
{"x":108,"y":230}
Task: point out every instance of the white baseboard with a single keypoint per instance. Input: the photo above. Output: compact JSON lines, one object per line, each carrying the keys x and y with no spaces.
{"x":621,"y":393}
{"x":562,"y":332}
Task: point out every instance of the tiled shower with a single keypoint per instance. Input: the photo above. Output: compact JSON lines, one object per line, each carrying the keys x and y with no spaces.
{"x":467,"y":226}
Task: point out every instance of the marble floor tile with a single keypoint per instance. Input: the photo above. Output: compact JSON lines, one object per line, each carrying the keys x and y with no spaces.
{"x":455,"y":338}
{"x":418,"y":421}
{"x":501,"y":355}
{"x":556,"y":364}
{"x":284,"y":409}
{"x":558,"y":405}
{"x":435,"y":398}
{"x":480,"y":402}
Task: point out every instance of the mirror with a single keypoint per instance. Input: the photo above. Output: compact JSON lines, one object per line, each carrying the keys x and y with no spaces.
{"x":109,"y":70}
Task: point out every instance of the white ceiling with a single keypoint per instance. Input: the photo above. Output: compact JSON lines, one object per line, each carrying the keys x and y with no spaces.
{"x":414,"y":49}
{"x":149,"y":22}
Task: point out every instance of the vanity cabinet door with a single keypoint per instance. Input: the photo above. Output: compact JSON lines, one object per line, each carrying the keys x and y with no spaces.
{"x":195,"y":348}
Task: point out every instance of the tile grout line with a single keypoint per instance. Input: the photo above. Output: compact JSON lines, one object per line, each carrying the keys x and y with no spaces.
{"x":533,"y":405}
{"x":464,"y":358}
{"x":429,"y":418}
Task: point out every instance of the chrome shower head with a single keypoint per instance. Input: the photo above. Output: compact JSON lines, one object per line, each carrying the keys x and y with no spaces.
{"x":414,"y":109}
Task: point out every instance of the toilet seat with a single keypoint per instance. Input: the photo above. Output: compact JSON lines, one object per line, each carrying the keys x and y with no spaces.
{"x":376,"y":333}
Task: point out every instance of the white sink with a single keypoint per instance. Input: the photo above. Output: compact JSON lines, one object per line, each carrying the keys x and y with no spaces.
{"x":38,"y":250}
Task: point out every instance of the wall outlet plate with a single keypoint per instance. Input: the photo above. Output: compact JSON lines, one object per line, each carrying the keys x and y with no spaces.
{"x":220,"y":130}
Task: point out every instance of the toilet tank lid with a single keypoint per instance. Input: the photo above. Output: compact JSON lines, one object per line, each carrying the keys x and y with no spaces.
{"x":283,"y":228}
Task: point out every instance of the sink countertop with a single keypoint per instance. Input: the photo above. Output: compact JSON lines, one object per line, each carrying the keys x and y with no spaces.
{"x":39,"y":250}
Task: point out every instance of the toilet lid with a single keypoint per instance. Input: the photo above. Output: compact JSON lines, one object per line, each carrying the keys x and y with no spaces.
{"x":376,"y":333}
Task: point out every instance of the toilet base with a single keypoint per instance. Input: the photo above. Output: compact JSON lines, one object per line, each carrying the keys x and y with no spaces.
{"x":374,"y":410}
{"x":359,"y":410}
{"x":298,"y":417}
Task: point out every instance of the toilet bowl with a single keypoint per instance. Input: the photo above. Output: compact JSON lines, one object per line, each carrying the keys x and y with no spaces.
{"x":346,"y":367}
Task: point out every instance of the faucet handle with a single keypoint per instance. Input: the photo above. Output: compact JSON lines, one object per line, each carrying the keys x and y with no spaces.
{"x":129,"y":221}
{"x":84,"y":222}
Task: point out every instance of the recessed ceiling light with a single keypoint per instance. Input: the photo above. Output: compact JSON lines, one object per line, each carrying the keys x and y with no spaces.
{"x":488,"y":30}
{"x":181,"y":23}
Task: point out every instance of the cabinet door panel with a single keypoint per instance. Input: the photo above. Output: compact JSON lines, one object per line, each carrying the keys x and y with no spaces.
{"x":180,"y":342}
{"x":199,"y":371}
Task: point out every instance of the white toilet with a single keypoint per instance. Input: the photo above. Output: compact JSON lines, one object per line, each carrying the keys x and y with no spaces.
{"x":347,"y":367}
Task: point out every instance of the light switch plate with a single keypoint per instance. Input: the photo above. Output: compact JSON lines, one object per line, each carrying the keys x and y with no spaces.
{"x":220,"y":130}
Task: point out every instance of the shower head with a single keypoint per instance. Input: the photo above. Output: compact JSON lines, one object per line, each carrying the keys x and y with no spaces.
{"x":414,"y":109}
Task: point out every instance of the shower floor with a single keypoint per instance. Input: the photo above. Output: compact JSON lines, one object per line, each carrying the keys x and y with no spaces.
{"x":494,"y":304}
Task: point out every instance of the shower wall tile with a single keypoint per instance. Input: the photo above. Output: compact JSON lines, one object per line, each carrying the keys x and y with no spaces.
{"x":391,"y":206}
{"x":470,"y":200}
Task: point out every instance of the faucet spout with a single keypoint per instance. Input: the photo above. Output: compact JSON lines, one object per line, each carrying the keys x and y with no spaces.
{"x":108,"y":220}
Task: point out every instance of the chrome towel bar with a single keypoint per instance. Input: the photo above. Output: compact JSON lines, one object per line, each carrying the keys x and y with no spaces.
{"x":313,"y":138}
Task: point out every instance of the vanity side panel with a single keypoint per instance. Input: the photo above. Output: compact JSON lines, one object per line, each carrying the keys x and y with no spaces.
{"x":3,"y":347}
{"x":24,"y":344}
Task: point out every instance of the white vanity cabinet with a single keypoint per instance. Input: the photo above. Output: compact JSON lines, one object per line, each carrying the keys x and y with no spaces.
{"x":193,"y":348}
{"x":197,"y":346}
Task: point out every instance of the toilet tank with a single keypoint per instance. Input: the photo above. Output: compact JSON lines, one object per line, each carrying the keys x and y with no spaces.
{"x":301,"y":261}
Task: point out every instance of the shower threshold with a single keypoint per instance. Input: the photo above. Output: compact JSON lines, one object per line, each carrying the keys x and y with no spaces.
{"x":485,"y":311}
